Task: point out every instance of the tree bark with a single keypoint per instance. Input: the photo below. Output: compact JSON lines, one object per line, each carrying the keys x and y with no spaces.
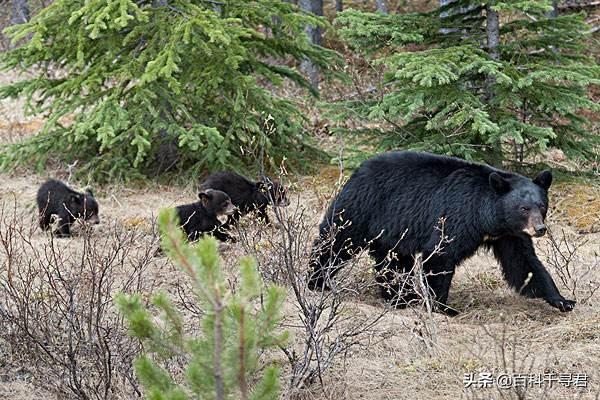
{"x":493,"y":32}
{"x":381,"y":6}
{"x":314,"y":35}
{"x":554,"y":12}
{"x":467,"y":13}
{"x":20,"y":12}
{"x":339,"y":5}
{"x":493,"y":41}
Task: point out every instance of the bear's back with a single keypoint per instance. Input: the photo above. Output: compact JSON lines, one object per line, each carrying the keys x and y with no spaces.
{"x":401,"y":163}
{"x":401,"y":191}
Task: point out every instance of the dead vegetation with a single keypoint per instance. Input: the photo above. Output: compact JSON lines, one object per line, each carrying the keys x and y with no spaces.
{"x":578,"y":205}
{"x":346,"y":343}
{"x":59,"y":323}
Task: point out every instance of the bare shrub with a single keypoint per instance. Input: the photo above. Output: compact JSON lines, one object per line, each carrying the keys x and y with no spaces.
{"x":56,"y":310}
{"x":512,"y":356}
{"x":563,"y":252}
{"x":424,"y":327}
{"x":328,"y":324}
{"x":508,"y":365}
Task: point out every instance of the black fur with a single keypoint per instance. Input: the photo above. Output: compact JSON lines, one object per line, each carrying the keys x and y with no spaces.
{"x":395,"y":201}
{"x":55,"y":199}
{"x":201,"y":217}
{"x":247,"y":195}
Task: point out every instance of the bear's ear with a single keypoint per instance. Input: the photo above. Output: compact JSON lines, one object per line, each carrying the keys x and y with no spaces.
{"x":205,"y":197}
{"x":498,"y":183}
{"x":75,"y":199}
{"x":544,"y":180}
{"x":264,"y":184}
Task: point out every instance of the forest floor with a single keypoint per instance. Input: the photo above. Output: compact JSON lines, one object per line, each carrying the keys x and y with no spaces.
{"x":407,"y":354}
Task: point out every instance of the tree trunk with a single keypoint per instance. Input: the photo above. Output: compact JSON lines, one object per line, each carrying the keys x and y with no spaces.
{"x":381,"y":6}
{"x":339,"y":5}
{"x":20,"y":12}
{"x":314,"y":35}
{"x":445,"y":14}
{"x":554,"y":12}
{"x":467,"y":12}
{"x":493,"y":32}
{"x":493,"y":41}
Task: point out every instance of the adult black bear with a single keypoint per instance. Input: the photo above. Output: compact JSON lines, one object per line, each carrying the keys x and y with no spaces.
{"x":393,"y":205}
{"x":203,"y":216}
{"x":247,"y":195}
{"x":57,"y":200}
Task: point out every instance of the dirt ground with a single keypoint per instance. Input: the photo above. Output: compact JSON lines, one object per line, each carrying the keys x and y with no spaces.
{"x":408,"y":354}
{"x":394,"y":361}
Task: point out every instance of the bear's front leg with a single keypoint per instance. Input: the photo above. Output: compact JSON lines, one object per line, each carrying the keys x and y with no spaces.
{"x":223,"y":235}
{"x":525,"y":272}
{"x":262,"y":214}
{"x":64,"y":226}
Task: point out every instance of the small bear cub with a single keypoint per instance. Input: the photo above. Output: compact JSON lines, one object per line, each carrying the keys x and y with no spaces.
{"x":247,"y":195}
{"x":203,"y":216}
{"x":58,"y":202}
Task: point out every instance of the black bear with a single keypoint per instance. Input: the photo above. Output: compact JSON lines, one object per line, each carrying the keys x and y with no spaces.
{"x":57,"y":200}
{"x":247,"y":195}
{"x":203,"y":216}
{"x":393,"y":204}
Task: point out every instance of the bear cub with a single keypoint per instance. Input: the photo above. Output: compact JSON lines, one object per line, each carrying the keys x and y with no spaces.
{"x":56,"y":200}
{"x":399,"y":204}
{"x":203,"y":216}
{"x":247,"y":195}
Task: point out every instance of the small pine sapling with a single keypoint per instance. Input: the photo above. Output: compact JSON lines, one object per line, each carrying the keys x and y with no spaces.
{"x":224,"y":359}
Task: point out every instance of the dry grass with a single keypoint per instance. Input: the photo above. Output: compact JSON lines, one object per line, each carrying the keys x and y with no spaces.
{"x":391,"y":362}
{"x":578,"y":205}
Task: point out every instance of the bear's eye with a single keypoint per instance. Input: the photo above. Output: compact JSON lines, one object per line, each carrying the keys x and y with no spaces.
{"x":524,"y":208}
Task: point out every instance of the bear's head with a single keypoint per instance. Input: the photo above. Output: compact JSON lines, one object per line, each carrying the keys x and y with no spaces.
{"x":523,"y":201}
{"x":216,"y":202}
{"x":272,"y":190}
{"x":84,"y":205}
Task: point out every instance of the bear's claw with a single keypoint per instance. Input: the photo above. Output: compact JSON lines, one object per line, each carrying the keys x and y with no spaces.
{"x":562,"y":304}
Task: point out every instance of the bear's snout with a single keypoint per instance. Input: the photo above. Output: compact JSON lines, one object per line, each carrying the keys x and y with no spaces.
{"x":535,"y":225}
{"x":283,"y":202}
{"x":230,"y":209}
{"x":540,"y":230}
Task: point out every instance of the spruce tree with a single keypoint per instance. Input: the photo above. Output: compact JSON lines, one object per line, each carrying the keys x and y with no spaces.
{"x":223,"y":360}
{"x":123,"y":84}
{"x":474,"y":90}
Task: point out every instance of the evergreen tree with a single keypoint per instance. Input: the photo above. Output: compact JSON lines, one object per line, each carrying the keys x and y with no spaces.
{"x":476,"y":91}
{"x":224,"y":359}
{"x":121,"y":81}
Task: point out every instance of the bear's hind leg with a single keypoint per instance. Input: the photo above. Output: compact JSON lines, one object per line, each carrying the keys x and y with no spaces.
{"x":394,"y":277}
{"x":326,"y":261}
{"x":439,"y":272}
{"x":63,"y":230}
